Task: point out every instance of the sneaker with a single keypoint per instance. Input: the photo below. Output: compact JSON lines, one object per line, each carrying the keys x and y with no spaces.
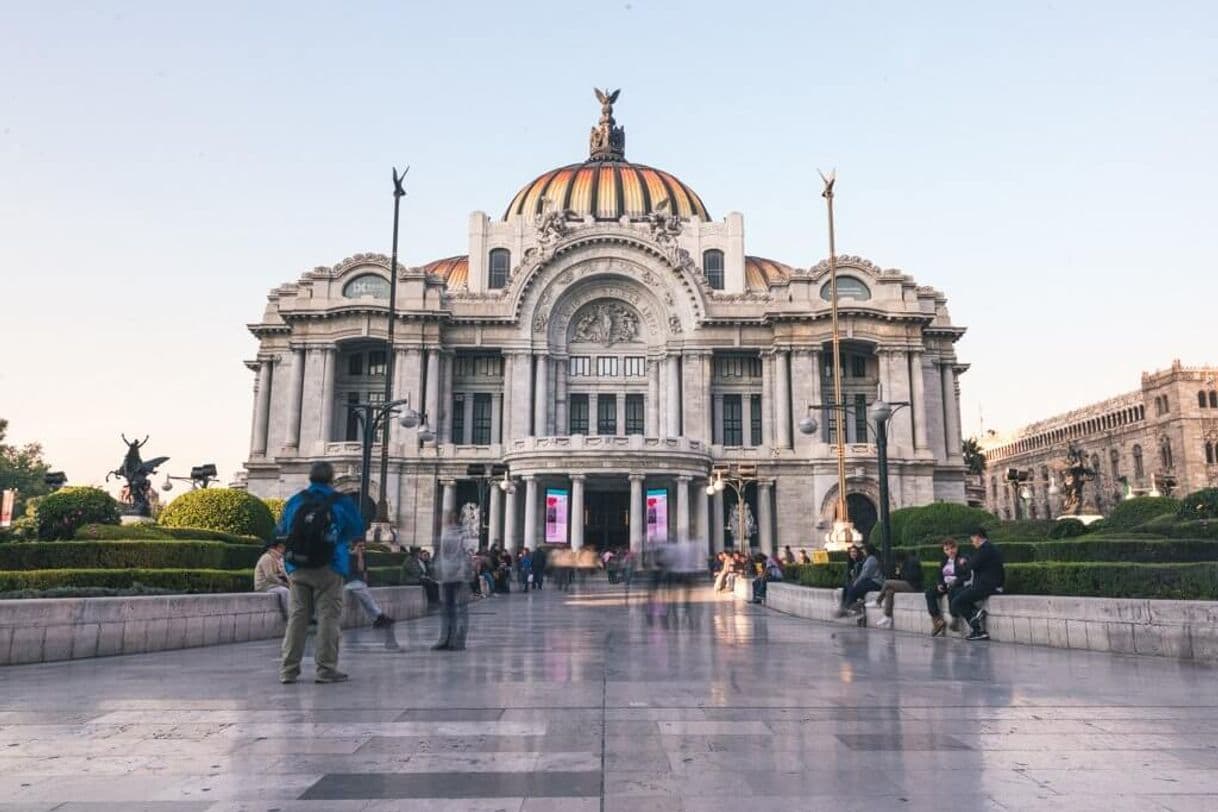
{"x":337,"y":676}
{"x":978,"y":619}
{"x":977,"y":634}
{"x":883,"y":623}
{"x":288,"y":680}
{"x":440,"y":647}
{"x":939,"y":628}
{"x":382,"y":621}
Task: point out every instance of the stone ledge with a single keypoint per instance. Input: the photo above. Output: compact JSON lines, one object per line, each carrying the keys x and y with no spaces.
{"x":50,"y":629}
{"x":1186,"y":630}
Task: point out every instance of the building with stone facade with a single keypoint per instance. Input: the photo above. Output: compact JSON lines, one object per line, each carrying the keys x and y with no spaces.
{"x":612,"y":345}
{"x":1160,"y":439}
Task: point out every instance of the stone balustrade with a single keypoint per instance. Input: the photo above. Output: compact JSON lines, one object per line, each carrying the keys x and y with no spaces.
{"x":1182,"y":629}
{"x":49,"y":629}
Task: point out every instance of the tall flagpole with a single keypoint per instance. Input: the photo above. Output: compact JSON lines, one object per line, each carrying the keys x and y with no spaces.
{"x":382,"y":501}
{"x":842,"y":522}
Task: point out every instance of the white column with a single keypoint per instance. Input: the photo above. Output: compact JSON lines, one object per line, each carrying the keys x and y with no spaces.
{"x":445,"y":432}
{"x":765,"y":522}
{"x":496,"y":417}
{"x":510,"y":540}
{"x":432,"y":399}
{"x":262,"y":408}
{"x":541,"y":397}
{"x":672,"y":404}
{"x":717,"y":522}
{"x":902,"y":425}
{"x":702,"y":503}
{"x":746,"y":418}
{"x":560,"y":397}
{"x":311,"y":398}
{"x":652,"y":416}
{"x":577,"y":511}
{"x":619,"y":407}
{"x":767,"y":400}
{"x":816,"y":397}
{"x":448,"y":502}
{"x":683,"y":508}
{"x":327,"y":396}
{"x":494,"y":532}
{"x":530,"y":511}
{"x":638,"y":522}
{"x":782,"y":398}
{"x":919,"y":399}
{"x":296,"y":388}
{"x":704,"y":389}
{"x":951,"y":411}
{"x":717,"y":419}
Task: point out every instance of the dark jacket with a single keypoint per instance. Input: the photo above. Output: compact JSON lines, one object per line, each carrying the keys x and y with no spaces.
{"x":911,"y":571}
{"x":853,"y":568}
{"x":347,"y":526}
{"x":986,"y":567}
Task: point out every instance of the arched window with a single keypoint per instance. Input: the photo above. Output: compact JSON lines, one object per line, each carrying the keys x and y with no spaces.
{"x":368,"y":284}
{"x":712,"y":268}
{"x":847,"y":288}
{"x":1114,"y":457}
{"x":1213,"y":399}
{"x":1138,"y":470}
{"x":1209,"y":453}
{"x":498,"y":266}
{"x":1165,"y":457}
{"x":1202,"y":400}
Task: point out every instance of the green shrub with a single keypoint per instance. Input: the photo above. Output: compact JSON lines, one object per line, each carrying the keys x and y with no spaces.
{"x":1159,"y":524}
{"x":930,"y":524}
{"x":1202,"y":504}
{"x":131,"y":532}
{"x":168,"y":554}
{"x":60,"y":513}
{"x":275,"y":506}
{"x":1068,"y":529}
{"x":1135,"y":512}
{"x":225,"y":509}
{"x":200,"y":580}
{"x":1203,"y":529}
{"x":84,"y":592}
{"x":1022,"y":530}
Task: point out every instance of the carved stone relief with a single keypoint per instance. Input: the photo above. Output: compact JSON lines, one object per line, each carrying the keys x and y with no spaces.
{"x":606,"y":323}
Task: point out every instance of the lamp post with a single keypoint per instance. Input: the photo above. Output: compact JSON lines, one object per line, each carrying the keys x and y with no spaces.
{"x":880,"y":413}
{"x":738,"y":481}
{"x":200,"y":477}
{"x":375,"y":417}
{"x":486,"y":477}
{"x":841,"y":524}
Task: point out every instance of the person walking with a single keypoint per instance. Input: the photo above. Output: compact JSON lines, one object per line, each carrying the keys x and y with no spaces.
{"x":988,"y":578}
{"x":540,"y":559}
{"x":319,"y":523}
{"x":454,"y":570}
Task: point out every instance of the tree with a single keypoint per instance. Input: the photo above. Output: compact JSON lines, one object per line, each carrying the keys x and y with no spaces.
{"x":22,"y":468}
{"x":974,"y":457}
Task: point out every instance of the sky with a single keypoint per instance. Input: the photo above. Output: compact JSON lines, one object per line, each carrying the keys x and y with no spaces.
{"x":1051,"y":167}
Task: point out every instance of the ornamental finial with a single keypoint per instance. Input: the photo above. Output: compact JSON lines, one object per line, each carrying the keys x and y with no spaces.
{"x":608,"y":141}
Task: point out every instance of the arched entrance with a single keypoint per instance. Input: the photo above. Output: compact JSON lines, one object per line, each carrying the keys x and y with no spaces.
{"x":862,"y":512}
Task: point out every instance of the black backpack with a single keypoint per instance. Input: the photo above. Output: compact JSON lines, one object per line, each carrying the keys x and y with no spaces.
{"x":310,"y":543}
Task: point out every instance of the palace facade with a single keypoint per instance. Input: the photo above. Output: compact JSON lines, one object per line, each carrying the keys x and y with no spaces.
{"x":1159,"y":439}
{"x":611,"y":345}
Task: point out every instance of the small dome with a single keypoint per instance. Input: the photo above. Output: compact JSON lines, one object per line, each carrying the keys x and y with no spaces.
{"x":760,"y":273}
{"x":453,"y":270}
{"x":607,"y":186}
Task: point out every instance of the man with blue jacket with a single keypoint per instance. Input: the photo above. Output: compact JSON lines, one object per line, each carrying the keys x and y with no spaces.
{"x":318,"y":590}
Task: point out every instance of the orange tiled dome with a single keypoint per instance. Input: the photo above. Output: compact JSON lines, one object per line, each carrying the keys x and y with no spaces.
{"x":607,"y":190}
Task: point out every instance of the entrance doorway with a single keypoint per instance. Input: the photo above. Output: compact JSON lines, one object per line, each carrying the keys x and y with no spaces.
{"x":862,"y":512}
{"x":606,"y":519}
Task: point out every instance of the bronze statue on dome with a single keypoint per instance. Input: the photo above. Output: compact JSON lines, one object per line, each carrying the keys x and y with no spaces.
{"x":607,"y":141}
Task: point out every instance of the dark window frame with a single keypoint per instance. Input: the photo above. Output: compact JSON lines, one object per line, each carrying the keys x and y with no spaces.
{"x":480,"y":428}
{"x":498,"y":268}
{"x":606,"y":415}
{"x":577,"y":414}
{"x":635,"y":414}
{"x":712,"y":268}
{"x":733,"y":420}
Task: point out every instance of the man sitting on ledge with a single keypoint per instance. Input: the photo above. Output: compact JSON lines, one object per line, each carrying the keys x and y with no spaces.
{"x":988,"y":578}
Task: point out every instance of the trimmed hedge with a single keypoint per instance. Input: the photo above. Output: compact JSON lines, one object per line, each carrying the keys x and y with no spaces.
{"x":225,"y":509}
{"x":931,"y":523}
{"x":196,"y":580}
{"x":1131,"y":513}
{"x":213,"y":555}
{"x":1194,"y":581}
{"x":1068,"y":529}
{"x":60,"y":513}
{"x":134,"y":532}
{"x":275,"y":506}
{"x":1202,"y":504}
{"x":1022,"y":530}
{"x":1192,"y":530}
{"x":1130,"y":548}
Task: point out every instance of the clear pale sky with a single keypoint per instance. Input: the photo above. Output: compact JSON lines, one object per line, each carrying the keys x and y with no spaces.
{"x":1050,"y":166}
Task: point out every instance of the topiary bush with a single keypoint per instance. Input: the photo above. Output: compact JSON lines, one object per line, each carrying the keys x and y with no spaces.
{"x":225,"y":509}
{"x":59,"y":514}
{"x":1022,"y":530}
{"x":930,"y":524}
{"x":1202,"y":504}
{"x":1068,"y":529}
{"x":1136,"y":512}
{"x":201,"y":580}
{"x":168,"y":554}
{"x":134,"y":532}
{"x":275,"y":506}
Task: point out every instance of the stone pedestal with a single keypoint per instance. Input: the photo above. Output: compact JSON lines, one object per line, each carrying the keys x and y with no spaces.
{"x":126,"y":520}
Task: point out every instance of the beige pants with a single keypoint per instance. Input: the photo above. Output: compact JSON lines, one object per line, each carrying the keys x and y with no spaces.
{"x":320,"y":591}
{"x":891,"y":587}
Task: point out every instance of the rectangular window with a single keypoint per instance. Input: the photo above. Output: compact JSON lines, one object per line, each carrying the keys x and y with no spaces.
{"x":577,"y":421}
{"x":482,"y":419}
{"x":636,"y":366}
{"x":830,"y":424}
{"x":755,"y":419}
{"x":712,"y":267}
{"x":858,"y":366}
{"x":376,"y":363}
{"x":500,"y":261}
{"x":860,"y":418}
{"x":355,"y":364}
{"x":634,"y":414}
{"x":606,"y":366}
{"x":459,"y":419}
{"x":352,"y":434}
{"x":733,"y":421}
{"x":737,"y":366}
{"x":579,"y":366}
{"x":482,"y":366}
{"x":606,"y":414}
